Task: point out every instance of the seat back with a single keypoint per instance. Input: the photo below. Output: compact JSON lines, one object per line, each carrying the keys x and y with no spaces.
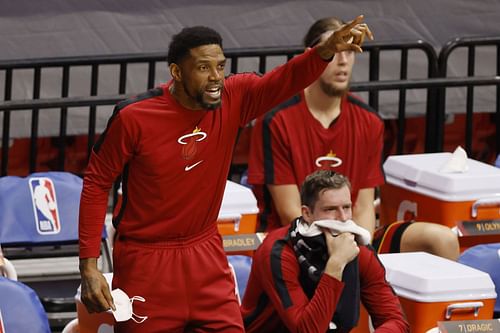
{"x":39,"y":235}
{"x":39,"y":209}
{"x":20,"y":309}
{"x":486,"y":258}
{"x":242,"y":266}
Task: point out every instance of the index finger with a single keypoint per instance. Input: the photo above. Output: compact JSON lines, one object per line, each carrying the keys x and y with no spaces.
{"x":109,"y":299}
{"x":353,"y":23}
{"x":368,"y":32}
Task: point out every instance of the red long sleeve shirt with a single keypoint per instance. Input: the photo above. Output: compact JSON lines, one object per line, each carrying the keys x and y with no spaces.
{"x":174,"y":161}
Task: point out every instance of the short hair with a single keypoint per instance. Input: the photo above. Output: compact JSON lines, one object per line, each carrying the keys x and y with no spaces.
{"x":317,"y":182}
{"x":189,"y":38}
{"x":318,"y":28}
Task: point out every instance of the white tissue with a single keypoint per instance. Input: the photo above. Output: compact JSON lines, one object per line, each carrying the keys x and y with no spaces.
{"x":457,"y":162}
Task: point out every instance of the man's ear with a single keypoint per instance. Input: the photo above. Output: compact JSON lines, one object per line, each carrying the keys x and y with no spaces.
{"x":175,"y":72}
{"x":307,"y":214}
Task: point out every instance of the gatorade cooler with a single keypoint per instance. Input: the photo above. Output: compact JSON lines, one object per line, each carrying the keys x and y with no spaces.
{"x":238,"y":213}
{"x":96,"y":322}
{"x":433,"y":289}
{"x":416,"y":189}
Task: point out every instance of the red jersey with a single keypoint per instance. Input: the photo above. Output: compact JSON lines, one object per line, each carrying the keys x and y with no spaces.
{"x":288,"y":143}
{"x":275,"y":302}
{"x":174,"y":161}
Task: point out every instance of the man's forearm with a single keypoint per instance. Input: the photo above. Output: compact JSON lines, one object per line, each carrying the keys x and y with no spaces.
{"x":87,"y":264}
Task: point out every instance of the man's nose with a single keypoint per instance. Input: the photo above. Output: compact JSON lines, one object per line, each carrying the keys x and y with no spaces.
{"x":342,"y":57}
{"x":214,"y":75}
{"x":342,"y":215}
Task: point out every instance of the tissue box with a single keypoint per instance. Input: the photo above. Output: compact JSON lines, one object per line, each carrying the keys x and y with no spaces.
{"x":433,"y":289}
{"x":238,"y":212}
{"x":416,"y":189}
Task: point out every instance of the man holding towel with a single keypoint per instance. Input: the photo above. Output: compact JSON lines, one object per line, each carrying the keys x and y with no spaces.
{"x":310,"y":276}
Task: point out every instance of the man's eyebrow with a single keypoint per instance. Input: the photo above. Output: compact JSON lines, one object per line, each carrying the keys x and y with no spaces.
{"x":204,"y":61}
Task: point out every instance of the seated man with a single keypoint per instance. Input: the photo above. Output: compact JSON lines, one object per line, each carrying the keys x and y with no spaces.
{"x":326,"y":127}
{"x":305,"y":279}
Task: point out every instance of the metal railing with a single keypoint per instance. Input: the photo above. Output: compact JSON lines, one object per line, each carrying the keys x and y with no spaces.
{"x":434,"y":83}
{"x":471,"y":44}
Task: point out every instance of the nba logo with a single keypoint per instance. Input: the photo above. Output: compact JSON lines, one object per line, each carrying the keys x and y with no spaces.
{"x":43,"y":197}
{"x":2,"y":328}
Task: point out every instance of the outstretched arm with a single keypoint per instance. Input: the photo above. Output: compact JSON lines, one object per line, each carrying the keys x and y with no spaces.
{"x":263,"y":93}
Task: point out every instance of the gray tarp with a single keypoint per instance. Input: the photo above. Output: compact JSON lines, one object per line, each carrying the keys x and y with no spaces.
{"x":33,"y":29}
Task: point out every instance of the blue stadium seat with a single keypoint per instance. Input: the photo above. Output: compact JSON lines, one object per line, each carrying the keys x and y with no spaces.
{"x":242,"y":265}
{"x":486,"y":258}
{"x":39,"y":235}
{"x":20,"y":309}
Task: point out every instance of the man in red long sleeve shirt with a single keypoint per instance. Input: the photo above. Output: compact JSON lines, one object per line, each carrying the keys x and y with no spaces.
{"x":173,"y":146}
{"x":307,"y":280}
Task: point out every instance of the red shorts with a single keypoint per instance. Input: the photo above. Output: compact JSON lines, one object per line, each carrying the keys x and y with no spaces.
{"x":387,"y":239}
{"x":187,"y":285}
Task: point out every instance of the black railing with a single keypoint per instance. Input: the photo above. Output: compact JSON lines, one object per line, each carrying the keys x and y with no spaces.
{"x":96,"y":63}
{"x":471,"y":44}
{"x":435,"y":84}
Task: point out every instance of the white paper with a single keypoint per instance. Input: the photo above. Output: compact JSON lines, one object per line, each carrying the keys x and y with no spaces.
{"x":457,"y":162}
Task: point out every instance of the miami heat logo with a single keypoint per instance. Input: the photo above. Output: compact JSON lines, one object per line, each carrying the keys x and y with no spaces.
{"x":43,"y":198}
{"x":190,"y":142}
{"x":329,"y":161}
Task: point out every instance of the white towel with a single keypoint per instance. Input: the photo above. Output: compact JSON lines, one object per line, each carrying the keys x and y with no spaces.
{"x":361,"y":235}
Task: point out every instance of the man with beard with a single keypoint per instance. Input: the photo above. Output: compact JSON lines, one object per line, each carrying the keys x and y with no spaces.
{"x":326,"y":127}
{"x":310,"y":276}
{"x":172,"y":147}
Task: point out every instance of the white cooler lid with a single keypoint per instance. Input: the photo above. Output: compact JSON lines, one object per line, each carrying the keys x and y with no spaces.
{"x":424,"y":277}
{"x":237,"y":200}
{"x":420,"y":173}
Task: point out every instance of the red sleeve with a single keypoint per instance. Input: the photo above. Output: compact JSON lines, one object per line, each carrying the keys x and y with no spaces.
{"x":107,"y":160}
{"x":378,"y":297}
{"x":375,"y":175}
{"x":265,"y":92}
{"x":276,"y":169}
{"x":297,"y":312}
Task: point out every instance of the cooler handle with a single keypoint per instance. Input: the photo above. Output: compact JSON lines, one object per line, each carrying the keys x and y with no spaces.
{"x":232,"y":217}
{"x":491,"y":201}
{"x":458,"y":306}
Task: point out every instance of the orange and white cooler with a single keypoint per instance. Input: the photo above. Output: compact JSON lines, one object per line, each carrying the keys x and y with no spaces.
{"x":433,"y":289}
{"x":94,"y":322}
{"x":416,"y":189}
{"x":238,"y":212}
